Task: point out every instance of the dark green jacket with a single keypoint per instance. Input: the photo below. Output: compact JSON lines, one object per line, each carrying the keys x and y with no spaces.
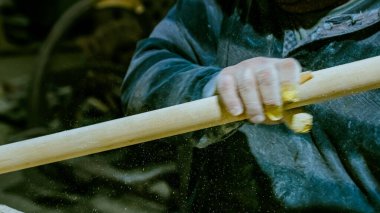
{"x":258,"y":168}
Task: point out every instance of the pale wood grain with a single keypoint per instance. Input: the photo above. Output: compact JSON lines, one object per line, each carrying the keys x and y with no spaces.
{"x":325,"y":84}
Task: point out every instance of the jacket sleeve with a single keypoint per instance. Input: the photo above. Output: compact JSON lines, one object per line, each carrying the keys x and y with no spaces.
{"x":176,"y":62}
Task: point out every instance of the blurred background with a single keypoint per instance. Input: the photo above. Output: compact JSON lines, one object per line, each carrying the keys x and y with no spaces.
{"x":61,"y":67}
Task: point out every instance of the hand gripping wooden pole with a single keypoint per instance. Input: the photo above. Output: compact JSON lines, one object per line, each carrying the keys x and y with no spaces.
{"x":326,"y":84}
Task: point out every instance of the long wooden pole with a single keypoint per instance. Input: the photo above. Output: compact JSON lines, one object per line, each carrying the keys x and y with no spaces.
{"x":326,"y":84}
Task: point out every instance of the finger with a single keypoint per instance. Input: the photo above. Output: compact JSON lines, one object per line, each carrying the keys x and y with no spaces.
{"x":298,"y":120}
{"x":289,"y":71}
{"x":248,"y":91}
{"x":227,"y":89}
{"x":269,"y":87}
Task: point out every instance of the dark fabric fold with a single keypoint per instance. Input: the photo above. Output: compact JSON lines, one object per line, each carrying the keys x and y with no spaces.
{"x":256,"y":168}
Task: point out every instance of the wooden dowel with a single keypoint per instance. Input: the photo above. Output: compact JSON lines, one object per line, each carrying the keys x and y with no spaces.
{"x":325,"y":84}
{"x":339,"y":81}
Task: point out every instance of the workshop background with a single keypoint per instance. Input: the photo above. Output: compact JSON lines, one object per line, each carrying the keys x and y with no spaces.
{"x":61,"y":67}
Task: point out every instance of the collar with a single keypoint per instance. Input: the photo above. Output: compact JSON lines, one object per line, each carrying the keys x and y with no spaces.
{"x":339,"y":22}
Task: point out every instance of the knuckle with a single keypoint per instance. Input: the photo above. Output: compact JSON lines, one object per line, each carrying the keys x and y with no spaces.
{"x":224,"y":82}
{"x":254,"y":62}
{"x":247,"y":80}
{"x":270,"y":95}
{"x":266,"y":77}
{"x":290,"y":65}
{"x":291,"y":61}
{"x":226,"y":70}
{"x":248,"y":76}
{"x":244,"y":87}
{"x":260,"y":60}
{"x":245,"y":63}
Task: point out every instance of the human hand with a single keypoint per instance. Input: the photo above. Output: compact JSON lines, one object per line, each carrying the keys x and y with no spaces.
{"x":259,"y":87}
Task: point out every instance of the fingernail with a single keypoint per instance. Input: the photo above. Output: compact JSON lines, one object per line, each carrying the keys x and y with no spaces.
{"x":258,"y":119}
{"x":289,"y":92}
{"x":273,"y":112}
{"x":302,"y":123}
{"x":236,"y":111}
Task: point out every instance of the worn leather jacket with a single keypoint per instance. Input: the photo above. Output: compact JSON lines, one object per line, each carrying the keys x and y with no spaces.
{"x":257,"y":168}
